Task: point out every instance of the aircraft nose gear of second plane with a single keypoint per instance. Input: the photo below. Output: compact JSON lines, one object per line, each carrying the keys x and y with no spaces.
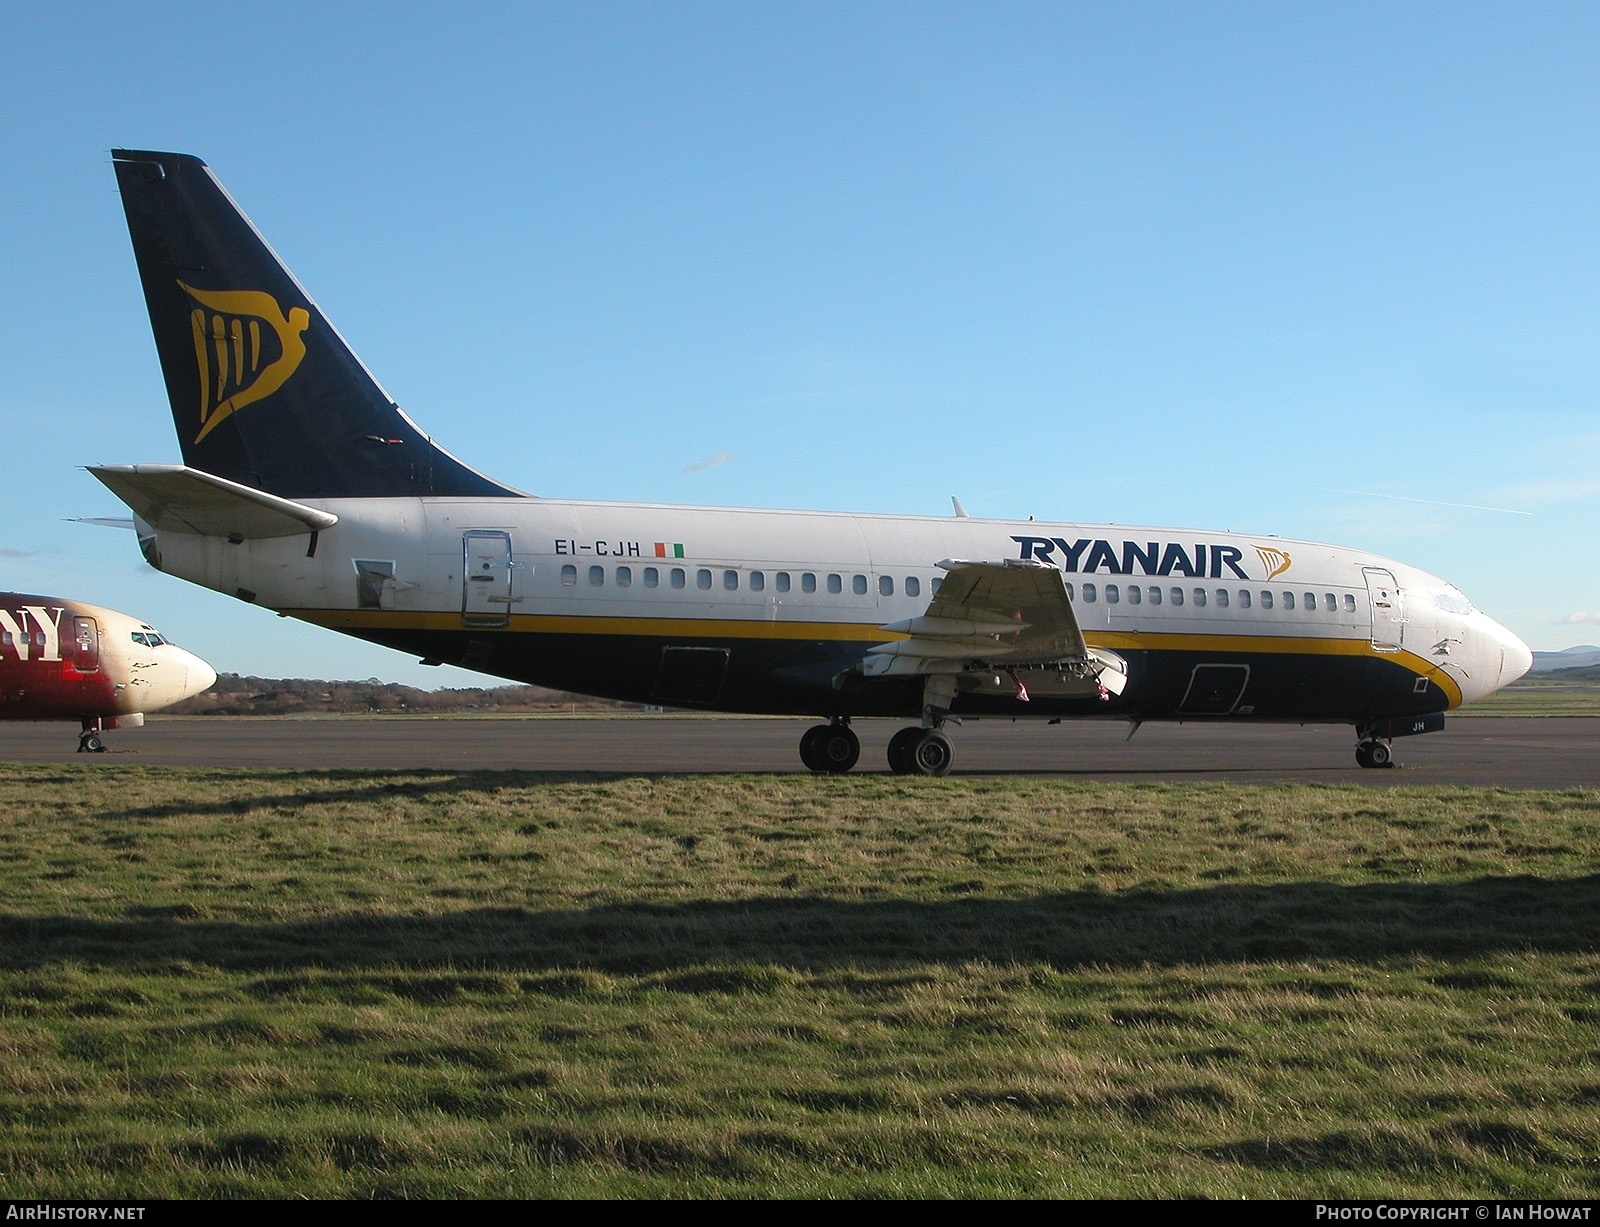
{"x":830,"y":749}
{"x":89,"y":741}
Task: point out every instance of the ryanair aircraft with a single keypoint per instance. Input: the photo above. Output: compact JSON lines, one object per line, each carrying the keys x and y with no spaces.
{"x":305,"y":489}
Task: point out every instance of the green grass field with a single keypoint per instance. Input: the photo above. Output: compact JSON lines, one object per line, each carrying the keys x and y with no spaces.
{"x":431,"y":984}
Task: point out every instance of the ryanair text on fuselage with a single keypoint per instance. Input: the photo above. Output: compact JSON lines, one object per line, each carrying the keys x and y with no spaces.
{"x":1090,"y":557}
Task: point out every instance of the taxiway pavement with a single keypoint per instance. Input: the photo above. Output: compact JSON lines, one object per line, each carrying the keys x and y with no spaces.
{"x":1507,"y":752}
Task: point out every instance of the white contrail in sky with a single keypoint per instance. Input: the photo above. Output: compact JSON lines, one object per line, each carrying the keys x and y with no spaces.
{"x":710,"y":462}
{"x":1433,"y":502}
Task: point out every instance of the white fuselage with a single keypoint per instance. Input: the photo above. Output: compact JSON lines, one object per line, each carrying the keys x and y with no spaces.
{"x":593,"y":569}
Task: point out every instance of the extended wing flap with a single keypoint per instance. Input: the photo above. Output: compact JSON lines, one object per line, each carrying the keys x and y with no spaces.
{"x":1031,"y":600}
{"x":998,"y":616}
{"x":987,"y":612}
{"x":176,"y":498}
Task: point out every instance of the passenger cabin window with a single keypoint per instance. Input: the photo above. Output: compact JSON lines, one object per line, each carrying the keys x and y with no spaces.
{"x":1288,"y":600}
{"x":913,"y":586}
{"x":1349,"y":602}
{"x":1072,"y":592}
{"x":1330,"y":602}
{"x":858,"y":585}
{"x":1244,"y":598}
{"x":885,"y":585}
{"x":1089,"y":593}
{"x":597,"y":576}
{"x":1222,"y":598}
{"x":1113,"y":594}
{"x":702,"y":580}
{"x":569,"y":574}
{"x":808,"y":582}
{"x":1177,"y":596}
{"x":1135,"y":594}
{"x":1311,"y":603}
{"x":758,"y":581}
{"x":1266,"y":599}
{"x":1200,"y":597}
{"x":678,"y":577}
{"x":651,"y":578}
{"x":730,"y":581}
{"x":835,"y":584}
{"x":933,"y":585}
{"x":624,"y":577}
{"x":781,"y":581}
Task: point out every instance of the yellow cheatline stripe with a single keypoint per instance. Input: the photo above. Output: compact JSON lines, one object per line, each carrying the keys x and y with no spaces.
{"x":1276,"y":645}
{"x":860,"y":632}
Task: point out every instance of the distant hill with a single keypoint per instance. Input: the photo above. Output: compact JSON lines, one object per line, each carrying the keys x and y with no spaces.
{"x":1570,"y":658}
{"x":233,"y":695}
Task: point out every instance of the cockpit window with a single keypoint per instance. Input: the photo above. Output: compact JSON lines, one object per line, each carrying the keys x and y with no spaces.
{"x":1453,"y":600}
{"x":148,"y":637}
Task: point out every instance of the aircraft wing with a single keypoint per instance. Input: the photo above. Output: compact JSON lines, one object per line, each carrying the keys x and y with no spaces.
{"x":996,"y":616}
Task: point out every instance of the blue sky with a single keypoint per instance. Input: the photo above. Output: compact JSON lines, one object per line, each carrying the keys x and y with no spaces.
{"x":1323,"y":270}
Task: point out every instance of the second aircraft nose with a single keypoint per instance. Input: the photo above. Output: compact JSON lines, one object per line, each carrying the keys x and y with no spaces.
{"x":198,"y":676}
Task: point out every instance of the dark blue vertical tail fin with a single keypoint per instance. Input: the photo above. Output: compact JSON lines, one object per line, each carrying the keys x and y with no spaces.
{"x":264,"y":391}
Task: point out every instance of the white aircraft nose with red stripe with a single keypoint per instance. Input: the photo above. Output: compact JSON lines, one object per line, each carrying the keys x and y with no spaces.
{"x":68,"y":660}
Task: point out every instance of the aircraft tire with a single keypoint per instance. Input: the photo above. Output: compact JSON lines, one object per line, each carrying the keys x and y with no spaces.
{"x":836,"y":749}
{"x":1374,"y":754}
{"x":900,"y":750}
{"x":932,"y":754}
{"x":808,"y":747}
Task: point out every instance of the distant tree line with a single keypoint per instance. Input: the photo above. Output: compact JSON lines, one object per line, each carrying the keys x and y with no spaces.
{"x":234,"y":695}
{"x":1561,"y":677}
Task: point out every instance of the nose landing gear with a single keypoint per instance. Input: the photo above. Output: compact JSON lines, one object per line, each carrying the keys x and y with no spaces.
{"x":89,"y":741}
{"x":1373,"y":753}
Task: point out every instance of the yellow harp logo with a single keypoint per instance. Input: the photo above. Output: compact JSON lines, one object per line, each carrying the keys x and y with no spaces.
{"x":1275,"y":561}
{"x":240,"y":361}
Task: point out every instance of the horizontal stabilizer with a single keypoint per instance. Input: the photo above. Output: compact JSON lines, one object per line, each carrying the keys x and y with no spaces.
{"x":175,"y":498}
{"x":103,"y":521}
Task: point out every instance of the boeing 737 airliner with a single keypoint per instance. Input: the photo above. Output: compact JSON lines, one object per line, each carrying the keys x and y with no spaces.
{"x":68,"y":660}
{"x":305,"y":489}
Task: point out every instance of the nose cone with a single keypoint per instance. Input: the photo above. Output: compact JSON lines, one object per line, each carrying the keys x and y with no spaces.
{"x":177,"y":675}
{"x":198,"y":675}
{"x":1515,"y":657}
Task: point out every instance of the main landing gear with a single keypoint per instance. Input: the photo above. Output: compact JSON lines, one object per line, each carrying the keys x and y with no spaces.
{"x":920,"y":751}
{"x":1374,"y":753}
{"x":830,"y":749}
